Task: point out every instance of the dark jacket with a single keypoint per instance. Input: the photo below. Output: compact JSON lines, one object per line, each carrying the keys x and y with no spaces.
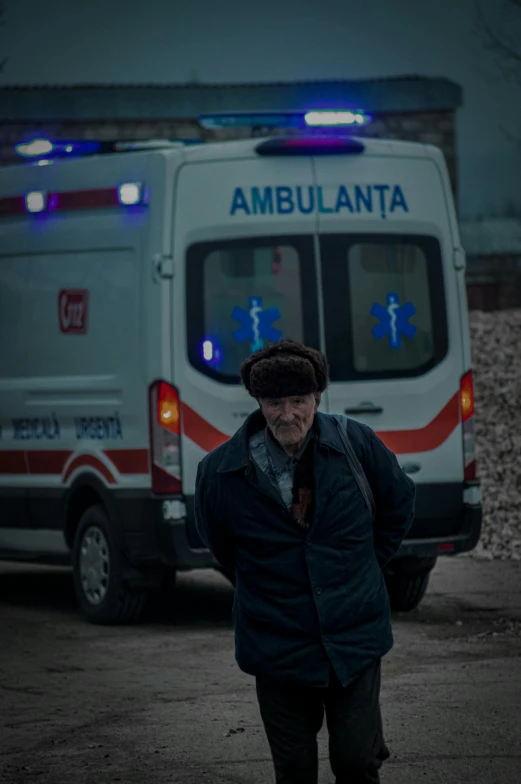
{"x":306,"y":598}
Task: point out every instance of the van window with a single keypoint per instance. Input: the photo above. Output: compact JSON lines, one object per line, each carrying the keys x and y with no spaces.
{"x":243,"y":295}
{"x":384,"y":305}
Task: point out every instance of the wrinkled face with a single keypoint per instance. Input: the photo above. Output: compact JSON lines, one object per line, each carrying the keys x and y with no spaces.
{"x":290,"y":418}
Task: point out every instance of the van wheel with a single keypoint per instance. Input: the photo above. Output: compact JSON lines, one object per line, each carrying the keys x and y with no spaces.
{"x":163,"y":597}
{"x":406,"y":585}
{"x":100,"y":589}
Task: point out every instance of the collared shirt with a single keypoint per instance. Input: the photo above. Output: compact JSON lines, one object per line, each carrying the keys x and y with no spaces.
{"x":278,"y":466}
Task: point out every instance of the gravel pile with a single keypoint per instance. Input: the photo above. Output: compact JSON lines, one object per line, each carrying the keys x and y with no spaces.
{"x":496,"y":357}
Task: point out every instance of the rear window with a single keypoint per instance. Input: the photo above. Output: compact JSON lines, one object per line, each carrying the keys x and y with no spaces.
{"x":243,"y":295}
{"x":384,"y":305}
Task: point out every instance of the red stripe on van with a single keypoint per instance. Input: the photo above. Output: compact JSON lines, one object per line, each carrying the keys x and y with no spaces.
{"x":12,"y":461}
{"x":129,"y":461}
{"x":12,"y":205}
{"x":51,"y":462}
{"x":200,"y":431}
{"x":401,"y":442}
{"x":92,"y":462}
{"x":47,"y":461}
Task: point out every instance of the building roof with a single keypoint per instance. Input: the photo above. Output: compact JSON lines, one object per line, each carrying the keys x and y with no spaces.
{"x":98,"y":102}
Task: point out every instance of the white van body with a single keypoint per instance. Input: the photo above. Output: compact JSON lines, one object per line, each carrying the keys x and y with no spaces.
{"x":231,"y":245}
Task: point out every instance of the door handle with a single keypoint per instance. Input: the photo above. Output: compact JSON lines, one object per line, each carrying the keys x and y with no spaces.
{"x":364,"y":408}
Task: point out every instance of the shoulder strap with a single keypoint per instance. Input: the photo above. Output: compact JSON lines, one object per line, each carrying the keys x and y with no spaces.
{"x":356,"y":468}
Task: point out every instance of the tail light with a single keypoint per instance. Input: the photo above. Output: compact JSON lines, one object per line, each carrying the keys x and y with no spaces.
{"x":165,"y":438}
{"x":467,"y":419}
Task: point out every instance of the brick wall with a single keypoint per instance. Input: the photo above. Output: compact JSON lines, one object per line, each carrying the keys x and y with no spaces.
{"x":494,"y":282}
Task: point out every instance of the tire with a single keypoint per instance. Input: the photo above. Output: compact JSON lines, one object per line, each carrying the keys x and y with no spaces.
{"x":407,"y":589}
{"x":97,"y":558}
{"x":162,"y":596}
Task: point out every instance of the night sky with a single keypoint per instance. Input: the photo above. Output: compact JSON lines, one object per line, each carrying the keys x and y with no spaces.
{"x":122,"y":41}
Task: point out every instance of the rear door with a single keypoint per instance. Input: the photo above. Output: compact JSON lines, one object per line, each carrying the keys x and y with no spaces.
{"x":245,"y":277}
{"x":391,"y":319}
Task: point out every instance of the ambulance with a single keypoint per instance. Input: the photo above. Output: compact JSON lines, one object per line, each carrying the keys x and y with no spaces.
{"x":135,"y":279}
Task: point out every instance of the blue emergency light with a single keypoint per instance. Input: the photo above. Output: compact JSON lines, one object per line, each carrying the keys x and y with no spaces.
{"x":34,"y":149}
{"x":42,"y":151}
{"x":210,"y":352}
{"x":317,"y":118}
{"x":329,"y":118}
{"x":44,"y":148}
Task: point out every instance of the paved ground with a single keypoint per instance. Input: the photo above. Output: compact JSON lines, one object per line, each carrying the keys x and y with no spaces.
{"x":165,"y":703}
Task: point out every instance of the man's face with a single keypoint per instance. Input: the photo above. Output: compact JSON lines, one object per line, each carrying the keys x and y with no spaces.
{"x":290,"y":418}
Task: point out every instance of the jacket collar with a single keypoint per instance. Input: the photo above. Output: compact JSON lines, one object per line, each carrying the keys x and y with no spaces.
{"x":237,"y":454}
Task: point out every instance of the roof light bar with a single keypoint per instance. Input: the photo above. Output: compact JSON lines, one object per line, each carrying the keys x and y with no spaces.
{"x":148,"y":144}
{"x":43,"y":148}
{"x":331,"y":118}
{"x":326,"y":118}
{"x":215,"y":122}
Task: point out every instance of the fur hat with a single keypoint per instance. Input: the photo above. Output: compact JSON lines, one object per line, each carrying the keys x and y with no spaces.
{"x":284,"y":369}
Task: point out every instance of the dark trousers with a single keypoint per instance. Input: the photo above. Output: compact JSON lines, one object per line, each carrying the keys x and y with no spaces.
{"x":294,"y":714}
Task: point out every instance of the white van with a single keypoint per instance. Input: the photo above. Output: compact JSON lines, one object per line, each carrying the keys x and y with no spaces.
{"x":133,"y":284}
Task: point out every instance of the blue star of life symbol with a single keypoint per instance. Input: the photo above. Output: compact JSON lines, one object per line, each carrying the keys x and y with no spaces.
{"x":257,"y":324}
{"x":394,"y":320}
